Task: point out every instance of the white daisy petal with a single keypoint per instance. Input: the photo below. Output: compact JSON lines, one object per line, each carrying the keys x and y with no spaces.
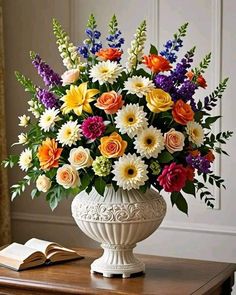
{"x":69,"y":133}
{"x":195,"y":133}
{"x":130,"y":172}
{"x":48,"y":119}
{"x":138,"y":85}
{"x":149,"y":142}
{"x":106,"y":71}
{"x":131,"y":119}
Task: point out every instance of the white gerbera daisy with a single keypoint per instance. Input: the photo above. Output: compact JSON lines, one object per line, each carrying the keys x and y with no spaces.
{"x":69,"y":133}
{"x":149,"y":142}
{"x":130,"y":172}
{"x":131,"y":119}
{"x":25,"y":160}
{"x":48,"y":119}
{"x":138,"y":85}
{"x":106,"y":71}
{"x":195,"y":133}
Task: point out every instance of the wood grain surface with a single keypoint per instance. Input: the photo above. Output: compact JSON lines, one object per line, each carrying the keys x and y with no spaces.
{"x":164,"y":276}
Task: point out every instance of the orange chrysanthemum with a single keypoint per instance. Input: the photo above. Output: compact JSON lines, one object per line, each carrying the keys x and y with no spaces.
{"x":49,"y":154}
{"x":156,"y":63}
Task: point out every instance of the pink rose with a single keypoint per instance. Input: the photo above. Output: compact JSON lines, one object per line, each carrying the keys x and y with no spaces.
{"x":174,"y":141}
{"x":173,"y":177}
{"x":70,"y":76}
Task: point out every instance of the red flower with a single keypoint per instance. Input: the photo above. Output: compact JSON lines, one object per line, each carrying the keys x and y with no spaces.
{"x":200,"y":79}
{"x":210,"y":156}
{"x":173,"y":177}
{"x":190,"y":173}
{"x":156,"y":63}
{"x":109,"y":54}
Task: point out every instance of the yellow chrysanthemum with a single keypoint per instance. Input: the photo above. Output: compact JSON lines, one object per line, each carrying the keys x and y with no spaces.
{"x":78,"y":99}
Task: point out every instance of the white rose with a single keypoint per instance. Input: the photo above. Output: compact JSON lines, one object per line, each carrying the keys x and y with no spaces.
{"x":70,"y":76}
{"x":80,"y":158}
{"x":24,"y":120}
{"x":43,"y":183}
{"x":68,"y":176}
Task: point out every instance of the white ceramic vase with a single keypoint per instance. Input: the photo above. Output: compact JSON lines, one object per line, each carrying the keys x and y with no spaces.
{"x":118,"y":220}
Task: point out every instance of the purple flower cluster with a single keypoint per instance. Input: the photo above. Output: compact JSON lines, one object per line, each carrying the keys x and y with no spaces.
{"x":200,"y":163}
{"x":50,"y":78}
{"x":164,"y":82}
{"x":115,"y":40}
{"x":92,"y":44}
{"x":170,"y":47}
{"x":47,"y":98}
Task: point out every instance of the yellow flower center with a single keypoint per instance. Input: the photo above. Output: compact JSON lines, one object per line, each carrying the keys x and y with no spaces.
{"x":139,"y":84}
{"x":49,"y":118}
{"x":196,"y":132}
{"x":131,"y":119}
{"x":149,"y":141}
{"x":130,"y":172}
{"x":104,"y":70}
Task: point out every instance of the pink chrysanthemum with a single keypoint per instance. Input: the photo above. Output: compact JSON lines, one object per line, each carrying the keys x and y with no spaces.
{"x":93,"y":127}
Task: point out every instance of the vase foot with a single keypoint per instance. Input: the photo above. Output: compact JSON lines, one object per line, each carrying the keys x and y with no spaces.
{"x":117,"y":260}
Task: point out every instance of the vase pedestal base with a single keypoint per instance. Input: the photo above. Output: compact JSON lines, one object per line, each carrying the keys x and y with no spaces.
{"x":117,"y":260}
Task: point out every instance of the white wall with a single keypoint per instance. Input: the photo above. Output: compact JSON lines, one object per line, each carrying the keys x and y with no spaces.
{"x":205,"y":234}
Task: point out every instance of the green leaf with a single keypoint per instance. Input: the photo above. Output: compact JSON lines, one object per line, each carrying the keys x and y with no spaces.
{"x":211,"y":120}
{"x":100,"y":185}
{"x":179,"y":201}
{"x":189,"y":188}
{"x":153,"y":50}
{"x":34,"y":193}
{"x":53,"y":202}
{"x":165,"y":157}
{"x":85,"y":181}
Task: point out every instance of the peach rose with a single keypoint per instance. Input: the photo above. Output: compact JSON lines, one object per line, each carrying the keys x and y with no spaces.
{"x":182,"y":112}
{"x":67,"y":176}
{"x":80,"y":158}
{"x":70,"y":76}
{"x":43,"y":183}
{"x":156,"y":63}
{"x":109,"y":54}
{"x":112,"y":146}
{"x":110,"y":102}
{"x":49,"y":154}
{"x":159,"y":101}
{"x":174,"y":141}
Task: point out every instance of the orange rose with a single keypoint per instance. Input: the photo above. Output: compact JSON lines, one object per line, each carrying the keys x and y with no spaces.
{"x":200,"y":79}
{"x":182,"y":112}
{"x":109,"y":54}
{"x":110,"y":102}
{"x":195,"y":153}
{"x":49,"y":154}
{"x":156,"y":63}
{"x":112,"y":146}
{"x":210,"y":156}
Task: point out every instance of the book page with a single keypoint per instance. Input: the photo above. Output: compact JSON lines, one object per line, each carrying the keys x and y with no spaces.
{"x":39,"y":245}
{"x":17,"y":251}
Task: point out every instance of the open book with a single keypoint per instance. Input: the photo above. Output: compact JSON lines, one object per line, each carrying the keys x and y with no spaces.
{"x":33,"y":253}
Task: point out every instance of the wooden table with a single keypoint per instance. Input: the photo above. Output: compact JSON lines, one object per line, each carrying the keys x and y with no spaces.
{"x":164,"y":276}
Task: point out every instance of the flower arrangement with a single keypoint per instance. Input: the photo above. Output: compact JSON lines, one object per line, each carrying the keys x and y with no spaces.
{"x":131,"y":126}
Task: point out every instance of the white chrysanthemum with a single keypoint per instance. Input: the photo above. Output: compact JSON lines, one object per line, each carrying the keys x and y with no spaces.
{"x":138,"y":85}
{"x":106,"y":71}
{"x":149,"y":142}
{"x":25,"y":160}
{"x":131,"y":119}
{"x":195,"y":133}
{"x":48,"y":119}
{"x":24,"y":120}
{"x":130,"y":172}
{"x":69,"y":133}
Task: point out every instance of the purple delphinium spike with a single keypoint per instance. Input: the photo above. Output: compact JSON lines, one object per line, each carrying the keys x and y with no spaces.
{"x":200,"y":163}
{"x":164,"y":82}
{"x":187,"y":90}
{"x":50,"y":78}
{"x":47,"y":98}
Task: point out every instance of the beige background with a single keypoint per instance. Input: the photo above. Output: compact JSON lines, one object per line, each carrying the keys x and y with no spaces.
{"x":206,"y":234}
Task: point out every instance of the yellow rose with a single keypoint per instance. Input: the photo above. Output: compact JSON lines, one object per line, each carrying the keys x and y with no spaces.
{"x":159,"y":101}
{"x":112,"y":146}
